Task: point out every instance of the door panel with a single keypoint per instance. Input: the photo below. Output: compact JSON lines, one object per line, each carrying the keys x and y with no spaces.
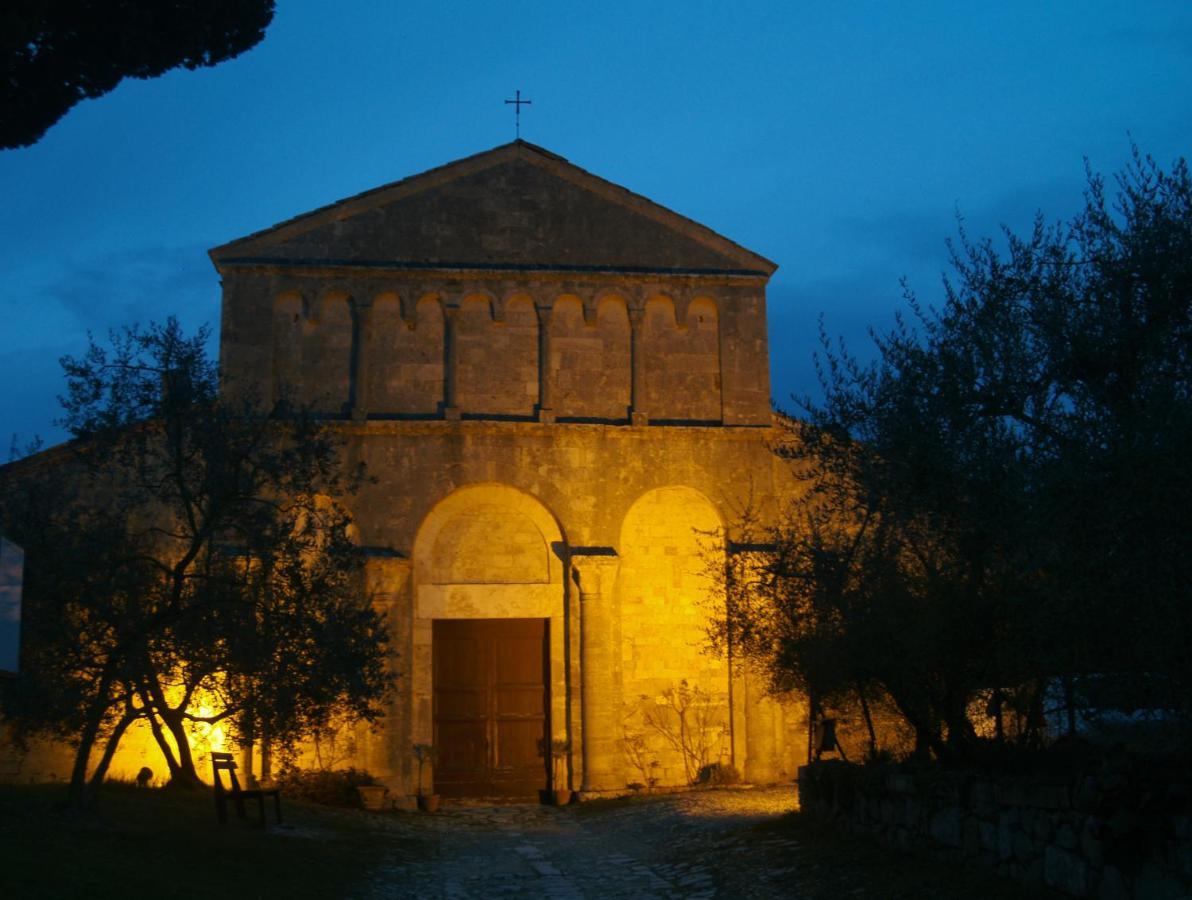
{"x":490,"y":706}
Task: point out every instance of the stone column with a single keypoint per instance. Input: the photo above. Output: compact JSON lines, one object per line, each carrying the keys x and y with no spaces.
{"x":637,"y":367}
{"x":595,"y":575}
{"x":387,"y":745}
{"x":361,"y":341}
{"x":450,"y":362}
{"x":546,"y":405}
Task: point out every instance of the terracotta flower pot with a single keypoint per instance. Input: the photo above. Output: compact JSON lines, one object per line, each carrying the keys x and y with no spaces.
{"x":372,"y":796}
{"x":561,"y":796}
{"x":428,"y":802}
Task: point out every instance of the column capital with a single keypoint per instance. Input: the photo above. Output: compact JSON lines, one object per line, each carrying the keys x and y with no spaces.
{"x":385,"y":571}
{"x":594,"y":569}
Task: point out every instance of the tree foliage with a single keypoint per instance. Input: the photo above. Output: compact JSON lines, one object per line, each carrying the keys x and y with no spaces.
{"x":188,"y":563}
{"x":58,"y":52}
{"x":1000,"y":502}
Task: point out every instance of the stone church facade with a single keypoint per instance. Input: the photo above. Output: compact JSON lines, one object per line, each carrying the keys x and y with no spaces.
{"x":561,"y":390}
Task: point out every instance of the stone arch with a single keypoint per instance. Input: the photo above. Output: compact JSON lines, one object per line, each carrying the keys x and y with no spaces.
{"x":671,"y":539}
{"x":518,"y":298}
{"x":527,"y":544}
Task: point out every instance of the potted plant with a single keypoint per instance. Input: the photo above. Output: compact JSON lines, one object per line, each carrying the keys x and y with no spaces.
{"x":372,"y":795}
{"x":560,"y":793}
{"x":426,"y":753}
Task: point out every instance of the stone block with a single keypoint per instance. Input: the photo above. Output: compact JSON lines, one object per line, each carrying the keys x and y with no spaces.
{"x":1065,"y":871}
{"x":1008,"y":793}
{"x":945,"y":826}
{"x":972,"y":835}
{"x":988,"y":836}
{"x":1090,"y":846}
{"x":1112,"y":885}
{"x":1032,"y":873}
{"x":1006,"y":824}
{"x":1048,"y":796}
{"x":406,"y":803}
{"x":1065,"y":836}
{"x":1154,"y":883}
{"x":1043,"y":828}
{"x":1024,"y":848}
{"x":981,"y":797}
{"x":1181,"y":827}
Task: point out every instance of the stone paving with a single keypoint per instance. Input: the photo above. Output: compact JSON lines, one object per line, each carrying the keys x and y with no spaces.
{"x":689,"y":845}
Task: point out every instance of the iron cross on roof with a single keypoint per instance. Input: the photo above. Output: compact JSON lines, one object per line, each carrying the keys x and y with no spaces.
{"x":517,"y":105}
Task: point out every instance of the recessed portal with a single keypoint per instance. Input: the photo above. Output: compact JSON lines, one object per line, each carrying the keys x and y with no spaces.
{"x":490,"y":707}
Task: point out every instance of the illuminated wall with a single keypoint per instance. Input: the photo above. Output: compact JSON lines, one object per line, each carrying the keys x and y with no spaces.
{"x":670,"y":539}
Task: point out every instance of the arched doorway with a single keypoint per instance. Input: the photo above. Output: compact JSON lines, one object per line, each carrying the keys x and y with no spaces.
{"x":489,"y":648}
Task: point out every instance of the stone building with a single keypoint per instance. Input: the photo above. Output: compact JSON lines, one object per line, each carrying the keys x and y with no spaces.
{"x":561,"y":390}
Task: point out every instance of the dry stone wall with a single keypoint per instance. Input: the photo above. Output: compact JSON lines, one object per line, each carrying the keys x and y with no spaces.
{"x":1096,"y":836}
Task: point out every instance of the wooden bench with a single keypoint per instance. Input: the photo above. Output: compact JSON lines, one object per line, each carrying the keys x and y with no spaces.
{"x":223,"y":762}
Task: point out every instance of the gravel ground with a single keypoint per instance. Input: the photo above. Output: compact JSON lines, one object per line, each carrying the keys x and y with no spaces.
{"x":702,"y":844}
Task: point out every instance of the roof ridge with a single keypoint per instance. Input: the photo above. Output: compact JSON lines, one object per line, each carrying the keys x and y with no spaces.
{"x":557,"y":165}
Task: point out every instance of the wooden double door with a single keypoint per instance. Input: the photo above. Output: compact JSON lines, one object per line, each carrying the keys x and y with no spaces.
{"x":491,"y":703}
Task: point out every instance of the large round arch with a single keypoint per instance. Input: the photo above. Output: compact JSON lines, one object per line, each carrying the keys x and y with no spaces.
{"x":671,"y":547}
{"x":488,"y":533}
{"x":489,"y":665}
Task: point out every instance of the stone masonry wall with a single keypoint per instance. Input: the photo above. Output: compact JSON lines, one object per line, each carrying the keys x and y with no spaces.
{"x":1091,"y":837}
{"x":672,"y":350}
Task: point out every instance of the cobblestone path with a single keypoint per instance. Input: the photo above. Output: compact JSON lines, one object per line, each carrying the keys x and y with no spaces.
{"x":691,"y":845}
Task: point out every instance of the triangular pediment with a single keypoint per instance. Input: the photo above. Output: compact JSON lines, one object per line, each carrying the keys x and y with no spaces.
{"x":514,"y":207}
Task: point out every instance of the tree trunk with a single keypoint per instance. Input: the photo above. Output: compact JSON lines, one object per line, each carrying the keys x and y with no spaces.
{"x":105,"y":761}
{"x":868,"y":722}
{"x":77,"y":794}
{"x":185,"y":775}
{"x":182,"y":768}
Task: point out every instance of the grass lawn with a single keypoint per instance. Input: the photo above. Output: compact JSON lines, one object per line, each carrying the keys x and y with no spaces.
{"x":164,"y":843}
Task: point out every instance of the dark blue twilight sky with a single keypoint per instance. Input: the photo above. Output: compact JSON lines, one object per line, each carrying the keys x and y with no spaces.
{"x":838,"y":139}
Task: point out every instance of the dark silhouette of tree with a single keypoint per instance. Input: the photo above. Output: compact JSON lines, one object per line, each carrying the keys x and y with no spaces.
{"x":58,"y":52}
{"x":1000,"y":505}
{"x":189,"y":562}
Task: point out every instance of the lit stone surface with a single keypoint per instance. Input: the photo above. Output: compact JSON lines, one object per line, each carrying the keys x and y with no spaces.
{"x":531,"y":361}
{"x":561,"y":392}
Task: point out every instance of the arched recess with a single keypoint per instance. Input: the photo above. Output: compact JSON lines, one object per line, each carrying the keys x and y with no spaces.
{"x":287,"y":338}
{"x":327,"y":354}
{"x":682,"y":363}
{"x":498,"y":360}
{"x":486,"y":540}
{"x":488,"y":552}
{"x":590,"y":362}
{"x":671,"y":542}
{"x":405,"y":358}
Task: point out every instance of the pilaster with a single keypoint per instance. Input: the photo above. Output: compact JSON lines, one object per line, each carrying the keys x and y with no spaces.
{"x":637,"y":362}
{"x":594,"y":571}
{"x":387,"y":584}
